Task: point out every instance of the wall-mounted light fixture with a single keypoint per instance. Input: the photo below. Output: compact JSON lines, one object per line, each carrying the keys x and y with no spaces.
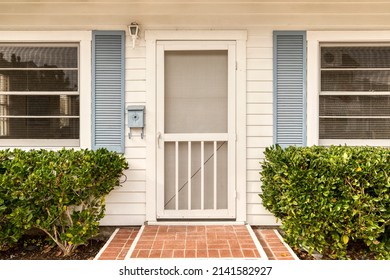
{"x":134,"y":30}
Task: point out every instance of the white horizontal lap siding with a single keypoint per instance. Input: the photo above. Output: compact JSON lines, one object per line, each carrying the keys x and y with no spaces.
{"x":126,"y":205}
{"x":259,"y":119}
{"x":135,"y":186}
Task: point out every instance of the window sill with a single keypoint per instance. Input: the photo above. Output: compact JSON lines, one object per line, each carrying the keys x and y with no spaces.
{"x":355,"y":142}
{"x":23,"y":143}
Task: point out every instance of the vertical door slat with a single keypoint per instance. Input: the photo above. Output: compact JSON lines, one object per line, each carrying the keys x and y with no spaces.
{"x":177,"y":175}
{"x":189,"y":176}
{"x":215,"y":175}
{"x":202,"y":175}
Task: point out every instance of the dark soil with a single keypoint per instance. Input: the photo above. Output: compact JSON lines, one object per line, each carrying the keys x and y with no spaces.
{"x":352,"y":253}
{"x":38,"y":247}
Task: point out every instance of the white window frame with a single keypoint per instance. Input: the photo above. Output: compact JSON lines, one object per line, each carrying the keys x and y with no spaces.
{"x":314,"y":41}
{"x":83,"y":39}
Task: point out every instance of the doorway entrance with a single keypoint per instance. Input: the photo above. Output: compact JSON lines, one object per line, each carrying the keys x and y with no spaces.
{"x":196,"y":113}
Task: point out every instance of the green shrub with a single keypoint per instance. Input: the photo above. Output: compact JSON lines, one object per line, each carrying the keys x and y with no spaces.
{"x":330,"y":198}
{"x":59,"y":192}
{"x":11,"y":215}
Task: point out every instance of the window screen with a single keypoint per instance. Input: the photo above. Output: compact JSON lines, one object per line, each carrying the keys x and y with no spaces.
{"x":39,"y":91}
{"x":355,"y":92}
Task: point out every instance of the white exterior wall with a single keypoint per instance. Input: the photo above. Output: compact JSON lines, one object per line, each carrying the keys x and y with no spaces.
{"x":126,"y":205}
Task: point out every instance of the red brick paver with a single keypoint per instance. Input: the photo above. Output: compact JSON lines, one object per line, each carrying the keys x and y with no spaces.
{"x":272,"y":245}
{"x":119,"y":244}
{"x":232,"y":241}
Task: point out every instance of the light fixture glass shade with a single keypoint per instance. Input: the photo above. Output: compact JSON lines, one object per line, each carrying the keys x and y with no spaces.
{"x":134,"y":30}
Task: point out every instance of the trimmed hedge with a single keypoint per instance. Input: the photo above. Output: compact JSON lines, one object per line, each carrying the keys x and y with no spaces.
{"x":329,"y":199}
{"x":59,"y":192}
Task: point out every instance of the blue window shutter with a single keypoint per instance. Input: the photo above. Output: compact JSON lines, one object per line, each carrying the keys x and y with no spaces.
{"x":108,"y":64}
{"x":290,"y":88}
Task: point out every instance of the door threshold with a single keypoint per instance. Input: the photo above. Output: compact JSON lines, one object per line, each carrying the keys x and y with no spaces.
{"x":192,"y":223}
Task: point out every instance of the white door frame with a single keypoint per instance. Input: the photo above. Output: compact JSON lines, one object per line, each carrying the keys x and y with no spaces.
{"x":229,"y":136}
{"x":151,"y":37}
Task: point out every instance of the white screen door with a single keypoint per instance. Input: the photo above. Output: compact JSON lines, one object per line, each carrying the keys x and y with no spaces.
{"x":196,"y":130}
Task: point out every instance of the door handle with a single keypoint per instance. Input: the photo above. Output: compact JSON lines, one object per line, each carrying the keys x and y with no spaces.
{"x":158,"y":139}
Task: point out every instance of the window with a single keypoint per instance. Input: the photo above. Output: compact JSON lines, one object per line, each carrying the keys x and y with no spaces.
{"x":348,"y":88}
{"x":39,"y":92}
{"x":354,"y":101}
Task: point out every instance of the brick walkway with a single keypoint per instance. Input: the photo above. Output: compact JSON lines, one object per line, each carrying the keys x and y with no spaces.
{"x":195,"y":242}
{"x":273,"y":246}
{"x":118,"y":245}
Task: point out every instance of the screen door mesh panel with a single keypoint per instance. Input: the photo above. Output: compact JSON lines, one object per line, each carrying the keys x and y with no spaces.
{"x":196,"y":90}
